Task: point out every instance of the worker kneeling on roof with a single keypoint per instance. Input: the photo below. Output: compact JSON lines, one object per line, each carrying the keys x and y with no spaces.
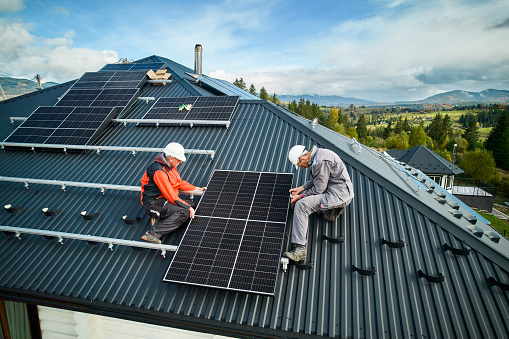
{"x":160,"y":186}
{"x":328,"y":191}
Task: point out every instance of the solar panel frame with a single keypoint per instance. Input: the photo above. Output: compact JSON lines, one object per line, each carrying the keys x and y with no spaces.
{"x":133,"y":66}
{"x":221,"y":108}
{"x":62,"y":125}
{"x":226,"y":231}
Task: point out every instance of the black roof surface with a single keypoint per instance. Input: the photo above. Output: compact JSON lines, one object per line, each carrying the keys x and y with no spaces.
{"x":392,"y":207}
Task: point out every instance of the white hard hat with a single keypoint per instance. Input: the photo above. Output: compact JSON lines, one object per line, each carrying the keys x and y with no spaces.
{"x":175,"y":150}
{"x":295,"y":153}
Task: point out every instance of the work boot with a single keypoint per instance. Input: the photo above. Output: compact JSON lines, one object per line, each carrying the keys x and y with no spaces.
{"x":298,"y":253}
{"x":333,"y":214}
{"x":150,"y":238}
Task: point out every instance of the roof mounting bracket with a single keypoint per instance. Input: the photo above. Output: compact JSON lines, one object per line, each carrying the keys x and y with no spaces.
{"x":63,"y":187}
{"x":98,"y":151}
{"x":434,"y":279}
{"x":65,"y":150}
{"x":26,"y":184}
{"x":333,"y":240}
{"x":284,"y":262}
{"x":133,"y":153}
{"x":495,"y":282}
{"x":457,"y":251}
{"x":395,"y":244}
{"x":302,"y":266}
{"x":364,"y":271}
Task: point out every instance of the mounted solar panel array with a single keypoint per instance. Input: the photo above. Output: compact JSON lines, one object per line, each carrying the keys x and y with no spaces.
{"x":133,"y":67}
{"x":107,"y":97}
{"x":62,"y":125}
{"x":235,"y":240}
{"x":196,"y":109}
{"x":111,"y":79}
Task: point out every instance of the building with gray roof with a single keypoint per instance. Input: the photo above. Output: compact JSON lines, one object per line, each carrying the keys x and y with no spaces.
{"x":414,"y":260}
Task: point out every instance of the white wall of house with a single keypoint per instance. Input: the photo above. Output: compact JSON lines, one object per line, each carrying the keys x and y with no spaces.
{"x":63,"y":324}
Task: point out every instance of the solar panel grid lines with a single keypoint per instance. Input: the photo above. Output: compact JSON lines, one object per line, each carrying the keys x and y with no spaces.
{"x":111,"y":79}
{"x":62,"y":125}
{"x":223,"y":247}
{"x":108,"y":97}
{"x":219,"y":108}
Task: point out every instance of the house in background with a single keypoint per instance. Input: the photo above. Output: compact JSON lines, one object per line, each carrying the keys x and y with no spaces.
{"x":406,"y":260}
{"x":428,"y":162}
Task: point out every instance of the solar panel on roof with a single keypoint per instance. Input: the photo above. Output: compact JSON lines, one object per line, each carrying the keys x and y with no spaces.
{"x":219,"y":108}
{"x":111,"y":79}
{"x":133,"y":66}
{"x":108,"y":97}
{"x":235,"y":240}
{"x":62,"y":125}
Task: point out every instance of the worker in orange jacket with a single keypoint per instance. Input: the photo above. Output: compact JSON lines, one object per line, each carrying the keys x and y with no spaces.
{"x":160,"y":185}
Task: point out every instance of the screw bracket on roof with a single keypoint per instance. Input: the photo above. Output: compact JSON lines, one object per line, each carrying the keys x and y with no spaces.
{"x":395,"y":244}
{"x":434,"y":279}
{"x":495,"y":282}
{"x":361,"y":271}
{"x":333,"y":240}
{"x":457,"y":251}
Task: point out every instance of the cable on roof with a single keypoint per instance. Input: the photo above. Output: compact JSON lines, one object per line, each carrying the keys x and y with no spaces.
{"x":495,"y":282}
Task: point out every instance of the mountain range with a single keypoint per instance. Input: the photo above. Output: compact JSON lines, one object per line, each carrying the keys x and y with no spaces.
{"x":14,"y":87}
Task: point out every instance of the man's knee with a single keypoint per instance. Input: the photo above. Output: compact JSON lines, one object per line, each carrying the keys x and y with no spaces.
{"x":300,"y":207}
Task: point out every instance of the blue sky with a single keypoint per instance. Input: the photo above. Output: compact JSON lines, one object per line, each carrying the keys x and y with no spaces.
{"x":381,"y":50}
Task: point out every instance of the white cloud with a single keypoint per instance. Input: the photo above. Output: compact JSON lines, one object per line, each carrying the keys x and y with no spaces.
{"x":24,"y":55}
{"x":406,"y":53}
{"x":11,"y":5}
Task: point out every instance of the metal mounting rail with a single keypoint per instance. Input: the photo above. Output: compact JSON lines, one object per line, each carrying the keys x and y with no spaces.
{"x":98,"y":149}
{"x":90,"y":238}
{"x":158,"y":122}
{"x":102,"y":187}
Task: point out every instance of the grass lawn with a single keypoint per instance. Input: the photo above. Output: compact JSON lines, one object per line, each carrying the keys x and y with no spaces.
{"x":498,"y":224}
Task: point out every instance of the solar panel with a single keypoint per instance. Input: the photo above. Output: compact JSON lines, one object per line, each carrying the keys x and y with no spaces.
{"x":62,"y":125}
{"x":219,"y":108}
{"x":235,"y":240}
{"x":111,"y":79}
{"x":133,"y":66}
{"x":108,"y":97}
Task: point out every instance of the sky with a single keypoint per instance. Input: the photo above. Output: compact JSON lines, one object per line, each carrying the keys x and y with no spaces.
{"x":379,"y":50}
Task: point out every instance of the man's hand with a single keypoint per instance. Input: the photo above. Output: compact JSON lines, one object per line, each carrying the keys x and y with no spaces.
{"x":191,"y":212}
{"x":294,"y":199}
{"x":297,"y":190}
{"x":201,"y":188}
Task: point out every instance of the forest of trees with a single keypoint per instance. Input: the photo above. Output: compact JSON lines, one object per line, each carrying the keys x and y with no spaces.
{"x":439,"y":135}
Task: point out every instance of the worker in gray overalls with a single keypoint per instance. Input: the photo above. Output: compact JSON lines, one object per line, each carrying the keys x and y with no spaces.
{"x":328,"y":191}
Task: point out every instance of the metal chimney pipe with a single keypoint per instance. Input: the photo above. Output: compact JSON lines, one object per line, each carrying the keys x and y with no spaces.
{"x":197,"y":59}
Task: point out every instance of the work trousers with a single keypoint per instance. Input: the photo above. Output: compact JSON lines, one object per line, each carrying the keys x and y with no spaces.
{"x":302,"y":210}
{"x":170,"y":216}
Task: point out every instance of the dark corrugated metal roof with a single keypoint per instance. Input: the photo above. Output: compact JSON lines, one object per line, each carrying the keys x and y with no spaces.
{"x":425,"y":160}
{"x":329,"y":300}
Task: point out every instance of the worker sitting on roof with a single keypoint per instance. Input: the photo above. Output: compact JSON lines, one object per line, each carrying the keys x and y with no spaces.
{"x":159,"y":193}
{"x":329,"y":191}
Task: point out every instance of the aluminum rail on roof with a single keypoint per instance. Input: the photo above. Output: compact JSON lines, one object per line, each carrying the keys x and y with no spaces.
{"x":98,"y":149}
{"x":102,"y":187}
{"x":172,"y":121}
{"x":91,"y":238}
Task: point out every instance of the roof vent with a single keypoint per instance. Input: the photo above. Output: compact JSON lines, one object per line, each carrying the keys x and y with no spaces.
{"x":197,"y":59}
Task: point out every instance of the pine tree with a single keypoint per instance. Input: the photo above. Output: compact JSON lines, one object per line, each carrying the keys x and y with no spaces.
{"x":263,"y":94}
{"x":471,"y":134}
{"x":252,"y":90}
{"x":498,"y":141}
{"x":362,"y":129}
{"x":240,"y":83}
